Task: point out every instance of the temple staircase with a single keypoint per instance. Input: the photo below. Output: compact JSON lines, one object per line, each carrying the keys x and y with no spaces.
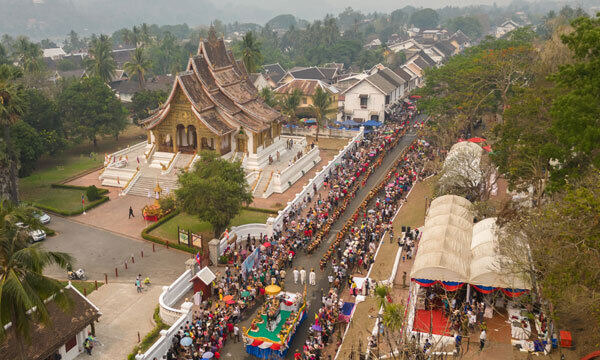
{"x":148,"y":183}
{"x":160,"y":158}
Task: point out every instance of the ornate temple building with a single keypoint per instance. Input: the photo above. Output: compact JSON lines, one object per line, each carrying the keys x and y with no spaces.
{"x":214,"y":105}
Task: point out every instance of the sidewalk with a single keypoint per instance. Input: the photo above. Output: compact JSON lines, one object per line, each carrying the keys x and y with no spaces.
{"x":124,"y":313}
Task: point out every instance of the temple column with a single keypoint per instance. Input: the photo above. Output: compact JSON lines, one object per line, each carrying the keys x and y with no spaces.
{"x":149,"y":134}
{"x":174,"y":140}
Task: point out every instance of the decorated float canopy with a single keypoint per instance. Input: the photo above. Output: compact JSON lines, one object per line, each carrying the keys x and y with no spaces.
{"x":274,"y":328}
{"x":454,"y":252}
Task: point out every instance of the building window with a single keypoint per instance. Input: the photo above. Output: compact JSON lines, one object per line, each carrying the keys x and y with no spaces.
{"x":303,"y":101}
{"x":387,"y":99}
{"x":363,"y":101}
{"x":70,"y":344}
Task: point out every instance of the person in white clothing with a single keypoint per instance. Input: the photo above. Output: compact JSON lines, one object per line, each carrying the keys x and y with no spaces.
{"x":312,"y":277}
{"x":482,"y":338}
{"x":296,"y":274}
{"x":302,"y":276}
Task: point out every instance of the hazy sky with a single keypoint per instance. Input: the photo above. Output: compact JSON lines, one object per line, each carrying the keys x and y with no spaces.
{"x":311,"y":9}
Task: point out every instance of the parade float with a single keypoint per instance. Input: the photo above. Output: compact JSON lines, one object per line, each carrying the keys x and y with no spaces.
{"x":276,"y":323}
{"x":154,"y":212}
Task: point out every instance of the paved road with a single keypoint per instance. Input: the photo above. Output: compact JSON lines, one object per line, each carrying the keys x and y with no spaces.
{"x":236,"y":350}
{"x":99,"y":251}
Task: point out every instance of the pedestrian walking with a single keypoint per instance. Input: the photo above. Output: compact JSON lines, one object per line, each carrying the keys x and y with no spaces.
{"x":482,"y":338}
{"x":296,"y":275}
{"x":138,"y":285}
{"x":236,"y":333}
{"x":312,"y":277}
{"x":131,"y":212}
{"x":302,"y":276}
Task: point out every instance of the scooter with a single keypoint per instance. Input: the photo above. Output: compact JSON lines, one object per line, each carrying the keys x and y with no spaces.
{"x":77,"y":275}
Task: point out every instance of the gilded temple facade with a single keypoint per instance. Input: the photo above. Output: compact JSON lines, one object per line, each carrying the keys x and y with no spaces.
{"x":214,"y":106}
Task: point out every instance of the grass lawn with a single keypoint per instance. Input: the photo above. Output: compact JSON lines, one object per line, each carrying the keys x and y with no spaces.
{"x":54,"y":169}
{"x":168,"y":230}
{"x":80,"y":285}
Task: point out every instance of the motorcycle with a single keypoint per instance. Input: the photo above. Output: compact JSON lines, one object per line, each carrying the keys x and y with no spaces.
{"x":77,"y":275}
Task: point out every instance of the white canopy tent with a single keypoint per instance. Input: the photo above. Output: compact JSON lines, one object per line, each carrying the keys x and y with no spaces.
{"x":452,"y":249}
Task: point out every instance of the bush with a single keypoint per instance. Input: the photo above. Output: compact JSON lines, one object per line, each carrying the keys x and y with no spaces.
{"x":88,"y":206}
{"x":92,"y":193}
{"x":167,"y":203}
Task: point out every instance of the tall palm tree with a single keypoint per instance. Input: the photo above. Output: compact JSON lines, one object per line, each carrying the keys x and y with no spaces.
{"x":138,"y":65}
{"x":251,"y":52}
{"x":22,"y":283}
{"x":321,"y":107}
{"x":145,"y":37}
{"x":29,"y":55}
{"x":393,"y":320}
{"x":268,"y":96}
{"x":289,"y":105}
{"x":11,"y":108}
{"x":101,"y":62}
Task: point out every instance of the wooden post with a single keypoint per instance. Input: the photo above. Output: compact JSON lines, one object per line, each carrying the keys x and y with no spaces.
{"x":96,"y":284}
{"x":178,"y":241}
{"x":116,"y":272}
{"x":153,"y":250}
{"x":85,"y":292}
{"x":125,"y":265}
{"x":142,"y":254}
{"x":132,"y":259}
{"x":139,"y":338}
{"x":105,"y":279}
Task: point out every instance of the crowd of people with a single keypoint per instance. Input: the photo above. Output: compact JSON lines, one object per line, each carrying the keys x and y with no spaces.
{"x":363,"y":232}
{"x":239,"y":289}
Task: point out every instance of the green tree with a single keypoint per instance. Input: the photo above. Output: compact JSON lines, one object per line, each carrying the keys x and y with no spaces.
{"x":41,"y":112}
{"x":144,"y":101}
{"x":268,"y":96}
{"x":321,"y":108}
{"x":29,"y":55}
{"x":289,"y":104}
{"x":101,"y":62}
{"x":469,"y":25}
{"x":215,"y":191}
{"x":11,"y":108}
{"x":425,"y":19}
{"x":576,"y":123}
{"x":90,"y":108}
{"x":29,"y":146}
{"x":23,"y":285}
{"x":138,"y":65}
{"x":251,"y":52}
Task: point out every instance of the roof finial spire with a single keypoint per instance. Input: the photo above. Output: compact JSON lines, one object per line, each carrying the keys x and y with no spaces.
{"x":212,"y":33}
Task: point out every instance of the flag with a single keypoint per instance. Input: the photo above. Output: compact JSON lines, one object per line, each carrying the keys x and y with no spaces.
{"x":226,"y":234}
{"x":198,"y":259}
{"x":82,"y":199}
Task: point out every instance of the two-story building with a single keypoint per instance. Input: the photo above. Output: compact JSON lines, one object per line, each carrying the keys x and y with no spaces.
{"x":308,"y":88}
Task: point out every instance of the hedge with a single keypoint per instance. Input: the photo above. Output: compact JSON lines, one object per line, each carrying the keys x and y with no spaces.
{"x":146,"y":234}
{"x":150,"y":337}
{"x":101,"y":191}
{"x":262,"y":210}
{"x":89,"y":206}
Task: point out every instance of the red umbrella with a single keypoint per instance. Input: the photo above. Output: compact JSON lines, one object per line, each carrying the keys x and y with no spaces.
{"x":230,"y":302}
{"x":267,"y":244}
{"x":487,"y":148}
{"x":476,"y":140}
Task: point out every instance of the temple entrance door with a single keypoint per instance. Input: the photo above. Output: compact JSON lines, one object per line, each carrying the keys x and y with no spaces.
{"x":241,"y":145}
{"x":181,"y":138}
{"x":192,"y":140}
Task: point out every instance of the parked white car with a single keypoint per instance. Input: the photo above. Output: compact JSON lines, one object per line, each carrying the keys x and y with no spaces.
{"x":35,"y":235}
{"x":43,"y":218}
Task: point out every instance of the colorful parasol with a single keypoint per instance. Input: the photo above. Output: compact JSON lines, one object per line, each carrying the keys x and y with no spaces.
{"x":227,"y":298}
{"x":272,"y":290}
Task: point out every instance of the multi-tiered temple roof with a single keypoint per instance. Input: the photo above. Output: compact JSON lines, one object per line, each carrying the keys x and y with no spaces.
{"x":220,"y":92}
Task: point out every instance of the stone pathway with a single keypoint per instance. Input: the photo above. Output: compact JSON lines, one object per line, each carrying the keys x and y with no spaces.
{"x":125,"y":312}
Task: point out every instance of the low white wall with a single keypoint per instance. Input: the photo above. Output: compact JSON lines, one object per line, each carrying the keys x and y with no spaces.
{"x":318,"y":178}
{"x":162,"y":345}
{"x":283,"y":180}
{"x":128,"y":149}
{"x":171,"y":294}
{"x":242,"y":233}
{"x":312,"y":131}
